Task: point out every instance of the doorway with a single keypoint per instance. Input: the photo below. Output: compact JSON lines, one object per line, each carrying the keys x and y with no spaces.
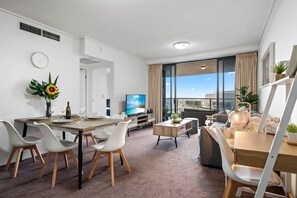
{"x":96,"y":82}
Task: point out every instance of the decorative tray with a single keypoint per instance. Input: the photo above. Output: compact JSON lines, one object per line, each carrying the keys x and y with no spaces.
{"x":177,"y":120}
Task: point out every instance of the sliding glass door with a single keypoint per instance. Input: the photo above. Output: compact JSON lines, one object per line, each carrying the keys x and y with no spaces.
{"x":226,"y":83}
{"x":169,"y":90}
{"x":200,"y":85}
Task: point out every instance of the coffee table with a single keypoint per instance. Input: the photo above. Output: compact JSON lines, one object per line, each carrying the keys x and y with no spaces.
{"x":172,"y":130}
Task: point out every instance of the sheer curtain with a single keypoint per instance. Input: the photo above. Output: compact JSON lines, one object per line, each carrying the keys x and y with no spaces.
{"x":155,"y":90}
{"x":246,"y":72}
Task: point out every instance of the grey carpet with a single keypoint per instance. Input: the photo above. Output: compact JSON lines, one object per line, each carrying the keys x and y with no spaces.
{"x":157,"y":171}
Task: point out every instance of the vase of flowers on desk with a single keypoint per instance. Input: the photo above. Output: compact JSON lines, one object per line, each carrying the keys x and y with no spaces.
{"x":48,"y":90}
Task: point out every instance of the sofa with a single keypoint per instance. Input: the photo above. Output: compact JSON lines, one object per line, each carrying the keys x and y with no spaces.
{"x":194,"y":113}
{"x":210,"y":154}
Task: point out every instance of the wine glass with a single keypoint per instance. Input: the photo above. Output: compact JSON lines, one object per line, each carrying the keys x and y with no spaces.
{"x":52,"y":109}
{"x":63,"y":109}
{"x":82,"y":111}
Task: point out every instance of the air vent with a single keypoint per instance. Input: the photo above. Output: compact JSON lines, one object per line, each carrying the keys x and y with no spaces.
{"x":37,"y":31}
{"x":89,"y":61}
{"x":29,"y":28}
{"x":50,"y":35}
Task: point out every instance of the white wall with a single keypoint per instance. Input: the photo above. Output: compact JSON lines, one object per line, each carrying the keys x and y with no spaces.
{"x":16,"y":48}
{"x":17,"y":71}
{"x":282,"y":30}
{"x":132,"y":80}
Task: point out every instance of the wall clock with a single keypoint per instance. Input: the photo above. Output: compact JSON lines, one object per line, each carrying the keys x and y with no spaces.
{"x":39,"y":60}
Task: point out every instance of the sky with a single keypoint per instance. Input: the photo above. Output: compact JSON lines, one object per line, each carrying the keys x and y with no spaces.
{"x":196,"y":86}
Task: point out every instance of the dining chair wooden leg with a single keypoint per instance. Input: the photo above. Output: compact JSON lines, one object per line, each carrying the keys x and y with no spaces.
{"x":96,"y":160}
{"x":32,"y":154}
{"x":66,"y":161}
{"x":94,"y":155}
{"x":55,"y":170}
{"x":111,"y":168}
{"x":10,"y":157}
{"x":38,"y":154}
{"x":108,"y":160}
{"x":228,"y":189}
{"x":75,"y":161}
{"x":17,"y":162}
{"x":125,"y":160}
{"x":87,"y":141}
{"x":48,"y":156}
{"x":76,"y":136}
{"x":94,"y":140}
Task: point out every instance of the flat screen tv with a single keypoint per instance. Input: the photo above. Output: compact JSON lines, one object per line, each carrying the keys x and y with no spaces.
{"x":135,"y":104}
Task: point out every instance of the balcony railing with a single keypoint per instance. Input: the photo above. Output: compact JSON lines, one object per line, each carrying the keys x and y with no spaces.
{"x":201,"y":104}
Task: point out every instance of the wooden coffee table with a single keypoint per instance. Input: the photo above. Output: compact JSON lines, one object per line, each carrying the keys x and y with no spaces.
{"x":172,"y":130}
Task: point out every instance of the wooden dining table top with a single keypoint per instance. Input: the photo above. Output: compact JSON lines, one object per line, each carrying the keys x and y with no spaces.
{"x":78,"y":123}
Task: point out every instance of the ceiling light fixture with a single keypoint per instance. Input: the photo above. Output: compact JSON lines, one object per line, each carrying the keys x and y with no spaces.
{"x":181,"y":45}
{"x":203,"y":67}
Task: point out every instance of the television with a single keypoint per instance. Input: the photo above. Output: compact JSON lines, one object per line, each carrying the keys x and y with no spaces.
{"x":135,"y":104}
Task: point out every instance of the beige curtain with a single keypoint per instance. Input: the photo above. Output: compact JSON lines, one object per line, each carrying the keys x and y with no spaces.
{"x":155,"y":90}
{"x":246,"y":72}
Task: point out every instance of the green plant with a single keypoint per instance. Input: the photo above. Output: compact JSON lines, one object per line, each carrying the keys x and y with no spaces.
{"x":48,"y":90}
{"x":279,"y":68}
{"x":174,"y":116}
{"x":165,"y":110}
{"x":292,"y":128}
{"x":245,"y":96}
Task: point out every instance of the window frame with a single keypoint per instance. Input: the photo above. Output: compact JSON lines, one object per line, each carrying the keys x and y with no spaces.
{"x":267,"y":61}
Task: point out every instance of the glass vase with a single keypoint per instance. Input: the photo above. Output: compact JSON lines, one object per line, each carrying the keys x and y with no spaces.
{"x":48,"y":112}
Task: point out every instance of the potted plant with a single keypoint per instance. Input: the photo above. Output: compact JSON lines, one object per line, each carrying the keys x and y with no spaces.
{"x":175,"y":118}
{"x":278,"y":69}
{"x":246,"y":97}
{"x":292,"y":132}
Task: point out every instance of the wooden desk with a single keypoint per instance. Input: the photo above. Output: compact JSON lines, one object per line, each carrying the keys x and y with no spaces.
{"x":252,"y":149}
{"x":78,"y":126}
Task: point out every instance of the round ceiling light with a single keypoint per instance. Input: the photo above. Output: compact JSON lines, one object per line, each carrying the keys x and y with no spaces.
{"x":203,"y":67}
{"x":181,"y":45}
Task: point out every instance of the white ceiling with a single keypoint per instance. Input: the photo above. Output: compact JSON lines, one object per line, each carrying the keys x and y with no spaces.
{"x":148,"y":28}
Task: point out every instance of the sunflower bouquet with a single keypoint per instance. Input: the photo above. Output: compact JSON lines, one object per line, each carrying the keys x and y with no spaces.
{"x":48,"y":90}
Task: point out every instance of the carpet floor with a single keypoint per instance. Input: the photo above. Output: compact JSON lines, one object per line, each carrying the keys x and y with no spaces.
{"x":157,"y":171}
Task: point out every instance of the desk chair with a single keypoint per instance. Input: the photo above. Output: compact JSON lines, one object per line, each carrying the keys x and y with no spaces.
{"x":20,"y":144}
{"x":113,"y":145}
{"x":55,"y":147}
{"x":238,"y":175}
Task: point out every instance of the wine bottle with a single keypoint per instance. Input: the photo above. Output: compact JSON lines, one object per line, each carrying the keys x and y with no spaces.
{"x":68,"y":111}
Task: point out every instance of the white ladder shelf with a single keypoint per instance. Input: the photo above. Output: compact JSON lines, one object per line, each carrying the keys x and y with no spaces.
{"x":281,"y":130}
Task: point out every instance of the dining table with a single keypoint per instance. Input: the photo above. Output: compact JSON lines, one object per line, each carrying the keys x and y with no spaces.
{"x":76,"y":125}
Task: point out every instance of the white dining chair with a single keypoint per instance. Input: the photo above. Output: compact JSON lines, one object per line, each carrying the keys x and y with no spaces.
{"x":239,"y":175}
{"x":20,"y":144}
{"x":102,"y":134}
{"x":55,"y":147}
{"x":113,"y":145}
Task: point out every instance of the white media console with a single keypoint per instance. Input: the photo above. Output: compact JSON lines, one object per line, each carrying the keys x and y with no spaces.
{"x":141,"y":120}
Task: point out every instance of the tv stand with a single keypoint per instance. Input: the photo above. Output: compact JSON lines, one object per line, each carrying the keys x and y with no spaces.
{"x":140,"y":120}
